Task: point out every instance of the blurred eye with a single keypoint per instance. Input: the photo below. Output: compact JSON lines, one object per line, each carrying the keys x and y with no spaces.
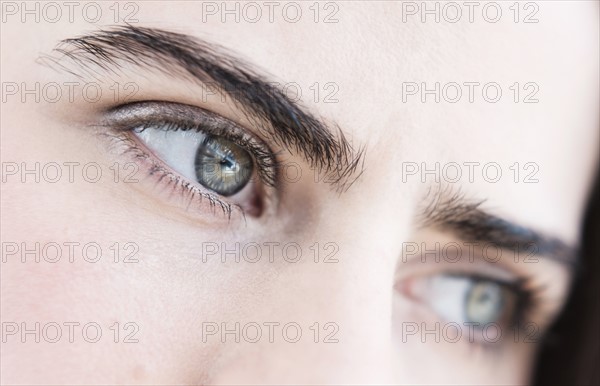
{"x":464,"y":299}
{"x":485,"y":302}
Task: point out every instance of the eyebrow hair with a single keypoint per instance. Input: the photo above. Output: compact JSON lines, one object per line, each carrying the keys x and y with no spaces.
{"x":288,"y":125}
{"x":450,"y":211}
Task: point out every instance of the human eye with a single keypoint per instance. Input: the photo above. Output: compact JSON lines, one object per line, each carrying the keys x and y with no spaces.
{"x":464,"y":298}
{"x":473,"y":302}
{"x":200,"y":155}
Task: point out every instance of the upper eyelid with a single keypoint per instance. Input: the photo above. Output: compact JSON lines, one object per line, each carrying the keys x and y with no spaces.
{"x":475,"y":274}
{"x":129,"y":113}
{"x":125,"y":117}
{"x":479,"y":277}
{"x":501,"y":271}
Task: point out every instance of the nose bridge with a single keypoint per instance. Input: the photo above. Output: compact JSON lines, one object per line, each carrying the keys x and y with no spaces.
{"x":318,"y":323}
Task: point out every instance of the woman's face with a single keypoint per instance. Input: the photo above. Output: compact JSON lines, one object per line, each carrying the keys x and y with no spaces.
{"x":341,"y":192}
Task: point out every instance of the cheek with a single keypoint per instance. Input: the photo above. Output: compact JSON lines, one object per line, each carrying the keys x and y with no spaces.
{"x":70,"y":262}
{"x":421,"y":341}
{"x":116,"y":305}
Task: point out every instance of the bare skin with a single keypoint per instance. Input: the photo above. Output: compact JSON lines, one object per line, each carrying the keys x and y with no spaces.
{"x":176,"y":292}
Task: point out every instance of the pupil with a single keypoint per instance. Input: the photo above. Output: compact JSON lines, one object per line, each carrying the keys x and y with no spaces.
{"x":485,"y":297}
{"x":228,"y":163}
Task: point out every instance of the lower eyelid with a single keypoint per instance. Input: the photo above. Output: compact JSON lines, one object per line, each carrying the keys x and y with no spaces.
{"x":175,"y":189}
{"x":432,"y":329}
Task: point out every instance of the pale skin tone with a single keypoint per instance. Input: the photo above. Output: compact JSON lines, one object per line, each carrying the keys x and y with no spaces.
{"x":171,"y":291}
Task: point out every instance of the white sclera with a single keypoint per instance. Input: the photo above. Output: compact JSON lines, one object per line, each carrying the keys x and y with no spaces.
{"x":447,"y":296}
{"x":175,"y":148}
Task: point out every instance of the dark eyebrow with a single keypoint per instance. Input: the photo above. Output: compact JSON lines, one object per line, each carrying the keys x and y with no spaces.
{"x":454,"y":213}
{"x":323,"y":146}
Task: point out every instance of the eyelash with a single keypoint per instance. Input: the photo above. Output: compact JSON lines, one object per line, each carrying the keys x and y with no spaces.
{"x":525,"y":295}
{"x":265,"y":160}
{"x":526,"y":303}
